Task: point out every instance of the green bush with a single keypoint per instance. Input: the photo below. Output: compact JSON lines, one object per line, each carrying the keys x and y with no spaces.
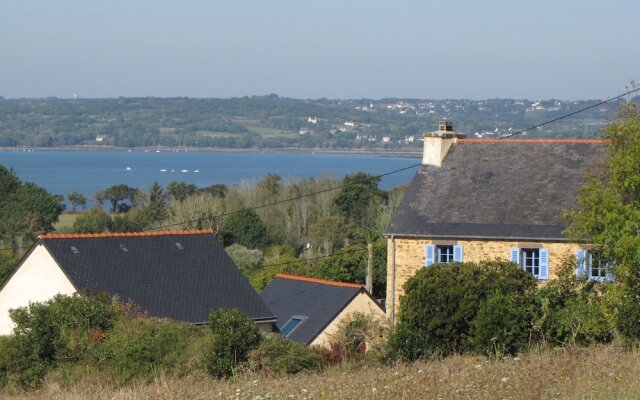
{"x":63,"y":329}
{"x":502,"y":326}
{"x":574,"y":311}
{"x":139,"y":347}
{"x":628,"y":321}
{"x":277,"y":355}
{"x":441,"y":302}
{"x":359,"y":335}
{"x":233,"y":335}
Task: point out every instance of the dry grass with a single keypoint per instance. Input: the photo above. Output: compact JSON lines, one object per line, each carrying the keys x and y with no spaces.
{"x":604,"y":372}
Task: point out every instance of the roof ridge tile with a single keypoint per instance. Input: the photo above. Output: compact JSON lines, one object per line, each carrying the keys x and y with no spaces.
{"x":122,"y":234}
{"x":320,"y":281}
{"x":533,"y":141}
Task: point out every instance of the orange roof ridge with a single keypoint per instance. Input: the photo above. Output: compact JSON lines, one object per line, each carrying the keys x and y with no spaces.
{"x":122,"y":234}
{"x":321,"y":281}
{"x":507,"y":140}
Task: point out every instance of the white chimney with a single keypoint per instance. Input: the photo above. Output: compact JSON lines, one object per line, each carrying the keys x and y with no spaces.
{"x":438,"y":143}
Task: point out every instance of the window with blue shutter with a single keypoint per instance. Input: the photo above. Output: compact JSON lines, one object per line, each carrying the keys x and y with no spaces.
{"x":598,"y":267}
{"x":544,"y":264}
{"x":581,"y":263}
{"x":429,"y":254}
{"x":457,"y":254}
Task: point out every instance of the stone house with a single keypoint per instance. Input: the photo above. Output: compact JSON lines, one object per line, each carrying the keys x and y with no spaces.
{"x":182,"y":275}
{"x":485,"y":199}
{"x":310,"y":310}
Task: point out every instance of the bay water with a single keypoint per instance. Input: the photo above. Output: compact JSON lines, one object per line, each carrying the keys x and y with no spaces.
{"x":62,"y":172}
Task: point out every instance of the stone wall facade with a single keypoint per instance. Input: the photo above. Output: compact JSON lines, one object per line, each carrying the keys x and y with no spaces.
{"x":410,"y":257}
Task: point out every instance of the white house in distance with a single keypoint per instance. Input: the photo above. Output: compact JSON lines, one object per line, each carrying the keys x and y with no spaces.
{"x":182,"y":275}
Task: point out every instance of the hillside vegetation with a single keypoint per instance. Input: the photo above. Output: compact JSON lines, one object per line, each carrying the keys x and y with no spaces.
{"x":604,"y":372}
{"x":275,"y":122}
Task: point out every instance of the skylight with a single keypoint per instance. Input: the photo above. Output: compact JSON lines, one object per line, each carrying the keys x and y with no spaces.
{"x":75,"y":250}
{"x":292,"y":324}
{"x":179,"y":246}
{"x":124,"y":248}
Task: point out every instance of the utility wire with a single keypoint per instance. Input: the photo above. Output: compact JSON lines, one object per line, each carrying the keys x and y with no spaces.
{"x":279,"y":201}
{"x":570,"y":114}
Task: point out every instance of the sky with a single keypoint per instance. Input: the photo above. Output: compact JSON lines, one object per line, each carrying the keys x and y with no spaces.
{"x":428,"y":49}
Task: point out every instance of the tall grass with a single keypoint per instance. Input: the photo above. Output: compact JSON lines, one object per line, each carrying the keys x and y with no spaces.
{"x":599,"y":372}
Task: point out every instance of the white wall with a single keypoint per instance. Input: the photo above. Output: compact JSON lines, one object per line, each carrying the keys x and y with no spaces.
{"x":38,"y":279}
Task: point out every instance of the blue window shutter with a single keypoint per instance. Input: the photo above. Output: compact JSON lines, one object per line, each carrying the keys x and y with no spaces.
{"x":429,"y":254}
{"x":544,"y":264}
{"x":515,"y":255}
{"x":581,"y":263}
{"x":457,"y":253}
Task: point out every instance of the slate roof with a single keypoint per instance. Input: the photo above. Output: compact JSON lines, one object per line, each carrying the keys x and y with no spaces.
{"x":497,"y":189}
{"x":181,"y":275}
{"x":318,"y":300}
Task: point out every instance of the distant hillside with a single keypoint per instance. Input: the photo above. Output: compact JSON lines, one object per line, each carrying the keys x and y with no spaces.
{"x":275,"y":122}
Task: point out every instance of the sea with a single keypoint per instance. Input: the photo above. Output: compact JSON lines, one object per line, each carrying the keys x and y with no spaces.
{"x":63,"y":172}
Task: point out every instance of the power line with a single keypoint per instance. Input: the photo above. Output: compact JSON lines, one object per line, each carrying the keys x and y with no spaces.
{"x":571,"y":114}
{"x":279,"y":201}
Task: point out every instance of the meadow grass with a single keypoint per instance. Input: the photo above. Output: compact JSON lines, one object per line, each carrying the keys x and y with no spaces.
{"x":65,"y":222}
{"x":599,"y":372}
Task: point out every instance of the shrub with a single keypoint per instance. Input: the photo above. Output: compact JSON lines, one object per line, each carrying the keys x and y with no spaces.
{"x":139,"y":347}
{"x":441,"y":302}
{"x":628,"y":321}
{"x":65,"y":328}
{"x":277,"y":355}
{"x":358,"y":335}
{"x":502,"y":326}
{"x":574,"y":311}
{"x":233,"y":335}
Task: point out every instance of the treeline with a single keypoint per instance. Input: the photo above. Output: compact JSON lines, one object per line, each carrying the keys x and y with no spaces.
{"x":268,"y":226}
{"x":274,"y":122}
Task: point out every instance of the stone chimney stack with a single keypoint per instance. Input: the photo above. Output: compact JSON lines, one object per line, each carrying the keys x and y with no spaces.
{"x":438,"y":143}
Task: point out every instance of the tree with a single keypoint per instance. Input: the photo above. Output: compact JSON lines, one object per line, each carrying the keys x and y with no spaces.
{"x":246,"y":228}
{"x":76,"y":199}
{"x":181,"y":190}
{"x":95,"y":220}
{"x":608,"y":214}
{"x":359,"y":199}
{"x":25,"y":209}
{"x":233,"y":335}
{"x":120,"y":196}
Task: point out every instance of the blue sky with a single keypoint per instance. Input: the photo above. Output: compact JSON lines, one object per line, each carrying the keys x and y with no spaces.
{"x":566,"y":49}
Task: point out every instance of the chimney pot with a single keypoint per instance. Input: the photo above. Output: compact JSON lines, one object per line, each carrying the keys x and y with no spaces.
{"x":438,"y":143}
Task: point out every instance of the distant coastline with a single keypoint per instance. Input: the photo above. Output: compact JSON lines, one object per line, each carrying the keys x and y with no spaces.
{"x":409,"y":153}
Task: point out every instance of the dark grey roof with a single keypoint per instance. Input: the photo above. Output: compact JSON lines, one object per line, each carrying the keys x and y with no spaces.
{"x":319,"y":302}
{"x":178,"y":276}
{"x":510,"y":189}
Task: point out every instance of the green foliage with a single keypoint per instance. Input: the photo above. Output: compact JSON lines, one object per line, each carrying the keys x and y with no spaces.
{"x":360,"y":334}
{"x":63,"y":329}
{"x":26,"y":209}
{"x":573,"y":310}
{"x":7,"y":263}
{"x":95,"y":220}
{"x":121,"y":197}
{"x":502,"y":325}
{"x":359,"y":198}
{"x":179,"y":191}
{"x":233,"y":336}
{"x":139,"y":347}
{"x":246,"y":228}
{"x":248,"y":261}
{"x":441,"y":303}
{"x":276,"y":355}
{"x":77,"y":200}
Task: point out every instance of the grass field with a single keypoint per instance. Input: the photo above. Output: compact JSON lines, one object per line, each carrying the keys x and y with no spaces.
{"x":603,"y":372}
{"x":65,"y":222}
